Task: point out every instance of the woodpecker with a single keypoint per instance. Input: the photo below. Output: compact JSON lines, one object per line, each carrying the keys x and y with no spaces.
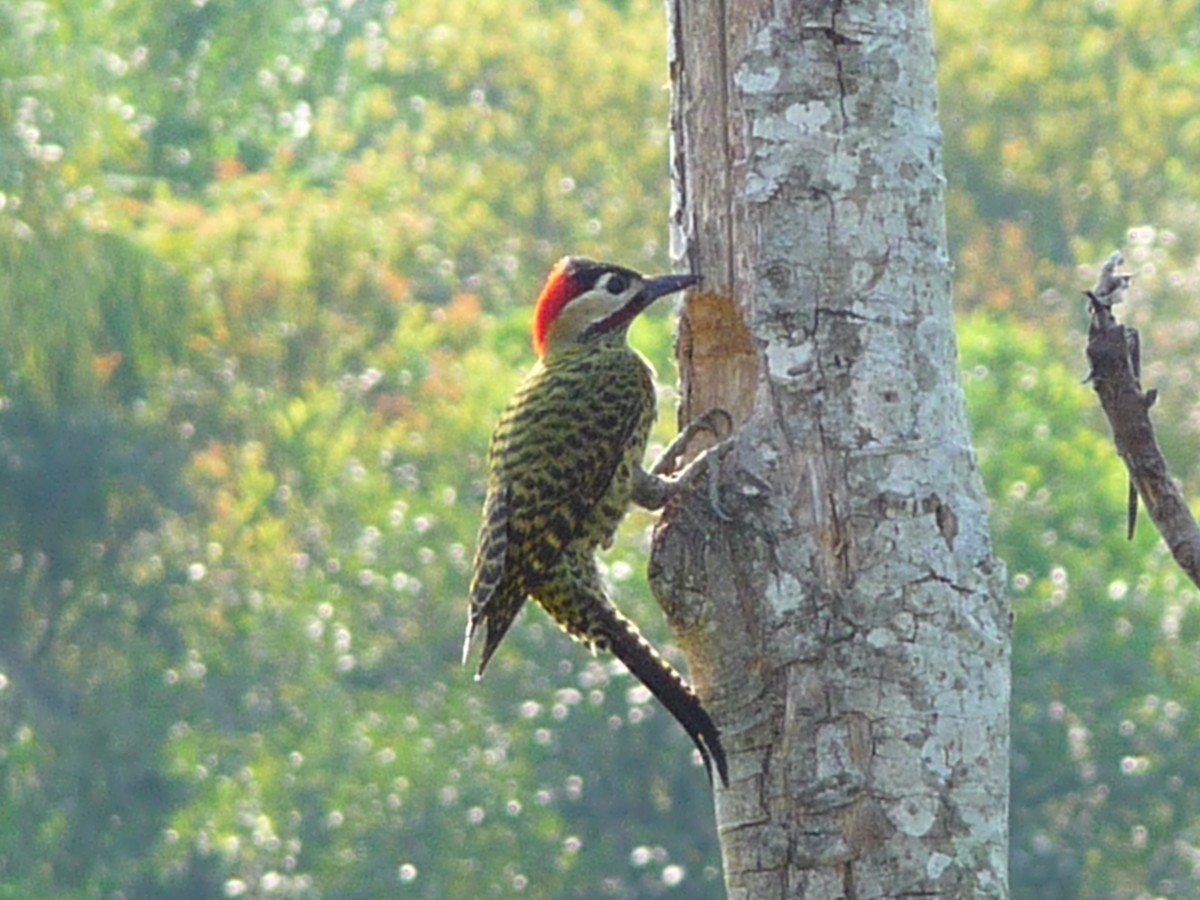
{"x":564,"y":463}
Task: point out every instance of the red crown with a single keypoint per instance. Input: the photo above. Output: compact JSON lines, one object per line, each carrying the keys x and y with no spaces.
{"x":560,"y":289}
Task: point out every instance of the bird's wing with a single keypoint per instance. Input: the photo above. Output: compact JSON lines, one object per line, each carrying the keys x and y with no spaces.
{"x":553,"y":457}
{"x":560,"y":446}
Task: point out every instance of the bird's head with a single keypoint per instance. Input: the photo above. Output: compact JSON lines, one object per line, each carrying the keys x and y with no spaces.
{"x":586,"y":301}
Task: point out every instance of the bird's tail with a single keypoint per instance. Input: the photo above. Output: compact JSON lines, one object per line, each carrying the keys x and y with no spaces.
{"x":575,"y":598}
{"x":622,"y":637}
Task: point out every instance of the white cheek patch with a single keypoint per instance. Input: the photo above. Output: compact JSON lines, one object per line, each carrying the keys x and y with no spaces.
{"x":583,"y":311}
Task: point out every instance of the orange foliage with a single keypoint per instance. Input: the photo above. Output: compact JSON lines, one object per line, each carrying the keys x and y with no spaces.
{"x":462,"y":313}
{"x":996,"y":269}
{"x":444,"y":380}
{"x":211,"y":463}
{"x":227,"y":169}
{"x":392,"y":405}
{"x":106,"y":364}
{"x":394,"y":285}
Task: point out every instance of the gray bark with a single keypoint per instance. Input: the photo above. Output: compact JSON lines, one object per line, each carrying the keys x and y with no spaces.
{"x":843,"y":614}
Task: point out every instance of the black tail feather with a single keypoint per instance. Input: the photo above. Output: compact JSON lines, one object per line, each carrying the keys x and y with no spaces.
{"x":672,"y":691}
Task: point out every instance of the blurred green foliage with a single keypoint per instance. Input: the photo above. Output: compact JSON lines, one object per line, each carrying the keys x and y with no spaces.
{"x":1105,"y":800}
{"x":264,"y":283}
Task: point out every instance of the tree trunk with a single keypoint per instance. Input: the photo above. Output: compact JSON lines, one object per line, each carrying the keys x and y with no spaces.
{"x":843,"y":614}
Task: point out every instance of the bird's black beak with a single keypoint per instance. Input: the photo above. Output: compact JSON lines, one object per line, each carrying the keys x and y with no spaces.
{"x":653,"y":288}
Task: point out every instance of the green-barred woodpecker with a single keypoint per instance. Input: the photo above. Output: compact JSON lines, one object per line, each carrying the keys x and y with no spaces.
{"x":565,"y":462}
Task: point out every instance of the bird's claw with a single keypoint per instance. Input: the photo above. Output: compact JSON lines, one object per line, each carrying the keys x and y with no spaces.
{"x":654,"y":487}
{"x":707,"y":462}
{"x":666,"y":462}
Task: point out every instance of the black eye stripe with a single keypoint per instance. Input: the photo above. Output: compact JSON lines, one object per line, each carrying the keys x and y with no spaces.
{"x":591,"y":276}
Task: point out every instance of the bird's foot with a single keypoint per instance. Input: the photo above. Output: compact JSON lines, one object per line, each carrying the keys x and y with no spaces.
{"x":654,"y":488}
{"x":716,"y":422}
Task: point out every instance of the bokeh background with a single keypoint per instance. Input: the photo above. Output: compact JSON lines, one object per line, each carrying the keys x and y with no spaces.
{"x":266,"y":270}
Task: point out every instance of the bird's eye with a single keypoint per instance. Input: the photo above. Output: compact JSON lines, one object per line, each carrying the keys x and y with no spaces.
{"x":615,"y":284}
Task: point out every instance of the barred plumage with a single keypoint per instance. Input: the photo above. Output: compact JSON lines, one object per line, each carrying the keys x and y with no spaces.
{"x":561,"y":473}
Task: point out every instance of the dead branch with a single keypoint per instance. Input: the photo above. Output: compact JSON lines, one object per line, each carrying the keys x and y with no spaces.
{"x":1114,"y":354}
